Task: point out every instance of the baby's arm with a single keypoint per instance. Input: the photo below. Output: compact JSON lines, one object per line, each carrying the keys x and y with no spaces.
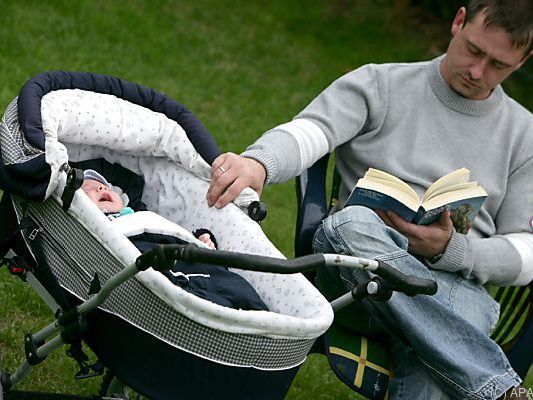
{"x":207,"y":237}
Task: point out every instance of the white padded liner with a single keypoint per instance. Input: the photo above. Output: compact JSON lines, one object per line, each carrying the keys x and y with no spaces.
{"x":156,"y":147}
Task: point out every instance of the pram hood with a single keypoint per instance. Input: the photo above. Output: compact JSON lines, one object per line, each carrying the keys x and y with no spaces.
{"x":32,"y":158}
{"x":125,"y":123}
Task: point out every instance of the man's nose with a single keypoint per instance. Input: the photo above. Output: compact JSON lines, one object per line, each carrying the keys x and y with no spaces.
{"x":102,"y":187}
{"x":477,"y":69}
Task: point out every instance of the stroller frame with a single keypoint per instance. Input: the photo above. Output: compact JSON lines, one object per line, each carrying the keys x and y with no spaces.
{"x":68,"y":326}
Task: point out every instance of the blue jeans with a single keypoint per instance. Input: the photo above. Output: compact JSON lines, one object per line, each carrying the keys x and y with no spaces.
{"x":440,"y":344}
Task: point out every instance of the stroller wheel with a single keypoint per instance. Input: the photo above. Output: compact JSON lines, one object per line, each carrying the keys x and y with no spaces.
{"x":113,"y":388}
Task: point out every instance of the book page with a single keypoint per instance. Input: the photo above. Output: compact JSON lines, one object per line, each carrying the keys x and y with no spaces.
{"x":451,"y":197}
{"x":456,"y":177}
{"x":451,"y":188}
{"x":383,"y":177}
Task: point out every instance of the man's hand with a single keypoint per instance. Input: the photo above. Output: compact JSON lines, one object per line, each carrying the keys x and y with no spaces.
{"x":426,"y":241}
{"x":230,"y":174}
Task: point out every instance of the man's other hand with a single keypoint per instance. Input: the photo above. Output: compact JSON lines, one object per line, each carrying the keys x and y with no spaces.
{"x":230,"y":174}
{"x":426,"y":241}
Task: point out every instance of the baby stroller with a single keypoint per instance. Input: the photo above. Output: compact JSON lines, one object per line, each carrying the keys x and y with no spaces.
{"x":163,"y":342}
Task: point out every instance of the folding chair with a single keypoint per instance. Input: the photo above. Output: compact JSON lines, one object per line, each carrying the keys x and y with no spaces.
{"x":362,"y":361}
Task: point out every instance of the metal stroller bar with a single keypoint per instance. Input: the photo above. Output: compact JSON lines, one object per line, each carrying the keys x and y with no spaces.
{"x":163,"y":256}
{"x":62,"y":323}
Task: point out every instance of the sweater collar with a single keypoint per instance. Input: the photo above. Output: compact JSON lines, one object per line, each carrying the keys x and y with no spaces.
{"x":455,"y":101}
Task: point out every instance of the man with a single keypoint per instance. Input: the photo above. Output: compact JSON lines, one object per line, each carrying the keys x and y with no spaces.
{"x":420,"y":121}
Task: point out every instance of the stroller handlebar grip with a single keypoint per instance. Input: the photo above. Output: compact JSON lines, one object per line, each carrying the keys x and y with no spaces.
{"x":410,"y":285}
{"x":164,"y":256}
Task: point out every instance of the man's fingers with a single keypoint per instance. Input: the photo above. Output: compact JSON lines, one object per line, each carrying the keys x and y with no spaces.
{"x":219,"y":161}
{"x":231,"y":192}
{"x":383,"y":216}
{"x":219,"y":185}
{"x":221,"y":178}
{"x":445,"y":220}
{"x":399,"y":223}
{"x":230,"y":174}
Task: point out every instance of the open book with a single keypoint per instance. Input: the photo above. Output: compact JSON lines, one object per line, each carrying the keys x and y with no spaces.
{"x":380,"y":190}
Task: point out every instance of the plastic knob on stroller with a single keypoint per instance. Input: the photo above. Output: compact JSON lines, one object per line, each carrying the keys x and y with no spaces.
{"x":74,"y":182}
{"x":257,"y":210}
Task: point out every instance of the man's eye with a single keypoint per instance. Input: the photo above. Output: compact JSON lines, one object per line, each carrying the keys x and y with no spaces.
{"x":474,"y":50}
{"x":498,"y":65}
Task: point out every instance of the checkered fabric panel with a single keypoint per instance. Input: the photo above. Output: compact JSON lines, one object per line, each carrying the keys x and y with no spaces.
{"x":15,"y":149}
{"x":74,"y":257}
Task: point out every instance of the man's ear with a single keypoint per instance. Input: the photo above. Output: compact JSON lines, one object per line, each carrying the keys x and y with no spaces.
{"x":459,"y":21}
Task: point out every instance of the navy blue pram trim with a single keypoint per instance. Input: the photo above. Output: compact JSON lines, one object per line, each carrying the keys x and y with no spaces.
{"x":29,"y":105}
{"x":28,"y":179}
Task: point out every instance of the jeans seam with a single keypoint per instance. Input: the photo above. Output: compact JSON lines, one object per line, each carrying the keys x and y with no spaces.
{"x":454,"y":289}
{"x":392,"y":256}
{"x":344,"y":244}
{"x":385,"y":257}
{"x":468,"y":394}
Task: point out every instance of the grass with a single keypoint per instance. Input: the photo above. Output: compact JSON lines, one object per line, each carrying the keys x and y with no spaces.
{"x":241,"y":67}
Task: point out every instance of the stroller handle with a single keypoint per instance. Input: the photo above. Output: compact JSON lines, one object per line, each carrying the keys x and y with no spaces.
{"x":164,"y":256}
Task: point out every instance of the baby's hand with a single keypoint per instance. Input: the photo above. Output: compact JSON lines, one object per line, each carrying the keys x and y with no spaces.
{"x":206,"y":238}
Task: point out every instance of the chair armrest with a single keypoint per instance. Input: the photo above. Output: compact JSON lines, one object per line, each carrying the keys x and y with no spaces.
{"x":312,"y":205}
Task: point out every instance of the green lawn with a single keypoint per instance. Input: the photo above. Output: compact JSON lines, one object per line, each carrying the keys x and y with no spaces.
{"x":240,"y":66}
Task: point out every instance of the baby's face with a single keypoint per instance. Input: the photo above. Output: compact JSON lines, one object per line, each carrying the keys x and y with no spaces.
{"x":105,"y":198}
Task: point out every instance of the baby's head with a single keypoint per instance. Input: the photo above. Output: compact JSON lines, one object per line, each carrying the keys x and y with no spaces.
{"x":98,"y":189}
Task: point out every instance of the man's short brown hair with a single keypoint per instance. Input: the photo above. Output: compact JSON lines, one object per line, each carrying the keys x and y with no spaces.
{"x":514,"y":16}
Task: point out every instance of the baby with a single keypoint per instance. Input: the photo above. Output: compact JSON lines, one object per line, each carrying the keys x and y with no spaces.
{"x":101,"y":192}
{"x":211,"y":282}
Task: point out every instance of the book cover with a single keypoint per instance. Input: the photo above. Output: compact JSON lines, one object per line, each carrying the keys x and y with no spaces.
{"x":377,"y":200}
{"x":463,"y":213}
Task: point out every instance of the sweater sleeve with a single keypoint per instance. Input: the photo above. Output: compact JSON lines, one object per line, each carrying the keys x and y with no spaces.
{"x":351,"y":105}
{"x":505,"y":258}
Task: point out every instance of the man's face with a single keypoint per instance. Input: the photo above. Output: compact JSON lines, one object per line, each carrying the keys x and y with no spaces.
{"x":105,"y":198}
{"x":478,"y":58}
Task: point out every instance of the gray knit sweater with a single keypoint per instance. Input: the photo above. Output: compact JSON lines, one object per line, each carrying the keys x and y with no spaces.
{"x":405,"y":119}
